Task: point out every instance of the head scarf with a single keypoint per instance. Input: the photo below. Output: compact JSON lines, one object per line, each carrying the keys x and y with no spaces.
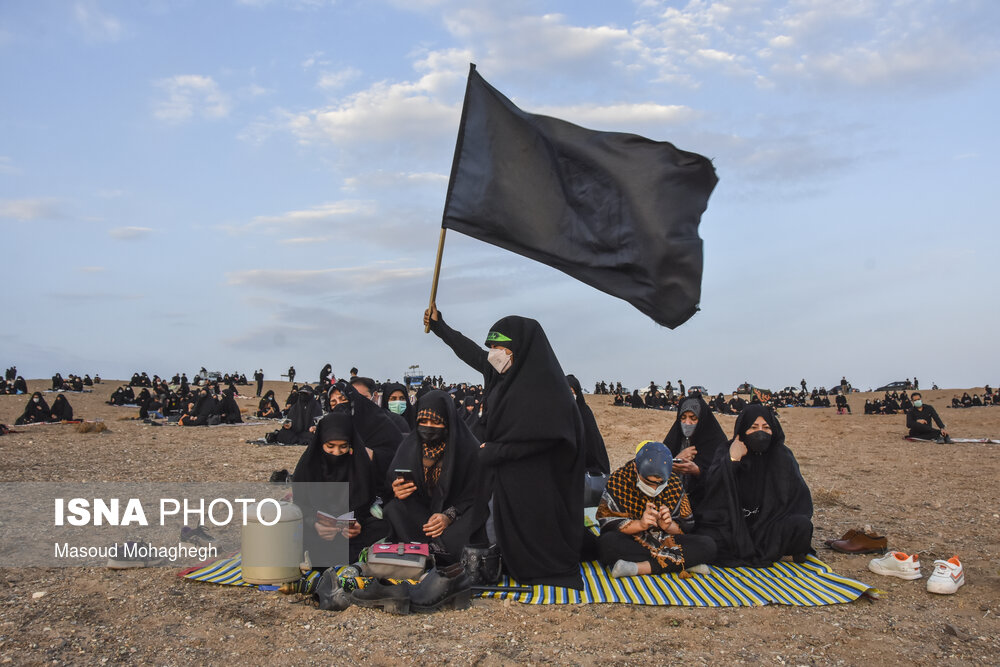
{"x":456,"y":480}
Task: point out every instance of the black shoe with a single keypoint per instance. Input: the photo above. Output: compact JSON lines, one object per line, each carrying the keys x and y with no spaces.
{"x":393,"y":598}
{"x":329,"y":594}
{"x":442,"y":588}
{"x":947,"y":439}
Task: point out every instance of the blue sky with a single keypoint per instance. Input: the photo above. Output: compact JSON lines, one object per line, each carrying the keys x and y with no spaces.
{"x":259,"y":183}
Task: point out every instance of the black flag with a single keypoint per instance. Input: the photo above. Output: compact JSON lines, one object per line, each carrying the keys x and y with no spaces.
{"x":617,"y":211}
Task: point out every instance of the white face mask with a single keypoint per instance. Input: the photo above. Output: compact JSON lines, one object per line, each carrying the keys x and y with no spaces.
{"x":651,"y":491}
{"x":499,"y":359}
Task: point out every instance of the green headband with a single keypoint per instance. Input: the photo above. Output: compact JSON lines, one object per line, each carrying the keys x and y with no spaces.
{"x":497,"y":337}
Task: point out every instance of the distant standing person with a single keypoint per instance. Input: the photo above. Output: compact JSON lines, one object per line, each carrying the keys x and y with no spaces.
{"x":916,"y":382}
{"x":803,"y":383}
{"x":919,"y":419}
{"x":259,"y":377}
{"x":291,"y":373}
{"x":843,"y":384}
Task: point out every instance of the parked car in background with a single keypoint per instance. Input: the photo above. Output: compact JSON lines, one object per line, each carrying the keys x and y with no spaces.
{"x":699,"y":389}
{"x":745,"y":388}
{"x":899,"y":385}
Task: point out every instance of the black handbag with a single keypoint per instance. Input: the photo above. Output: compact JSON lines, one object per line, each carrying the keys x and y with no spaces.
{"x":482,"y":564}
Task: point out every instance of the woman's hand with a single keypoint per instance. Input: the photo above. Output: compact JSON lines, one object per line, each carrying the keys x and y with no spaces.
{"x":436,"y":525}
{"x":326,"y":532}
{"x":687,"y":468}
{"x":431,"y":314}
{"x":650,"y":517}
{"x":666,"y":522}
{"x":737,"y":450}
{"x":352,"y":530}
{"x":403,"y":489}
{"x":688,"y":453}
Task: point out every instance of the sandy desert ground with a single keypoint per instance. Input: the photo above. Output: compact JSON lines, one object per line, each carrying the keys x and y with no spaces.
{"x":936,"y":500}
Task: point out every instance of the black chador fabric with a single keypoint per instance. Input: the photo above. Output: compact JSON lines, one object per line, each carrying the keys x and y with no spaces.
{"x":597,"y":454}
{"x":302,"y":415}
{"x":759,"y":508}
{"x":355,"y":468}
{"x":204,"y":408}
{"x":475,"y":420}
{"x":533,"y":456}
{"x":707,"y":438}
{"x":407,"y":421}
{"x":617,"y":211}
{"x":61,"y":409}
{"x":457,"y":490}
{"x":229,"y":410}
{"x":35,"y":412}
{"x":268,"y":407}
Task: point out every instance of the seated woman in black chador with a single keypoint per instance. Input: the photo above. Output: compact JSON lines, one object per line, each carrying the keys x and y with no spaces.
{"x":335,"y":455}
{"x":268,"y":407}
{"x":20,"y":386}
{"x":302,"y":415}
{"x":646,"y":519}
{"x":635,"y":400}
{"x":35,"y":412}
{"x":695,"y":436}
{"x":443,"y":504}
{"x":229,"y":410}
{"x":395,"y":399}
{"x":756,"y":506}
{"x":61,"y":410}
{"x":199,"y":410}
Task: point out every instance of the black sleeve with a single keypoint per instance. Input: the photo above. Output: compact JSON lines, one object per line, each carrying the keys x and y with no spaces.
{"x":464,"y":348}
{"x":934,"y":415}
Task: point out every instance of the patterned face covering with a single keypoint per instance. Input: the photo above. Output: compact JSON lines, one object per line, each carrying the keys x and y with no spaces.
{"x":433,"y":441}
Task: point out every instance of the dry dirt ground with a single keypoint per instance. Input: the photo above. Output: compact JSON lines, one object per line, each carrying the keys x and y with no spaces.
{"x":937,"y":500}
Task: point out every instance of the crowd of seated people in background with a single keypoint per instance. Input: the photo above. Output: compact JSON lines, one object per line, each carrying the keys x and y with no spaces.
{"x":989,"y":397}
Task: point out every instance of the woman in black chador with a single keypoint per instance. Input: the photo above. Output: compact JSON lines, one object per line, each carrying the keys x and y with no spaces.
{"x":61,"y":409}
{"x":756,"y":505}
{"x":442,"y":504}
{"x":695,"y":436}
{"x":335,"y":454}
{"x":534,"y":452}
{"x":35,"y":412}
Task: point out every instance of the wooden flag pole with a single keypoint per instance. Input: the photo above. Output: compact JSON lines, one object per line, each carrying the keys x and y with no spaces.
{"x":437,"y":274}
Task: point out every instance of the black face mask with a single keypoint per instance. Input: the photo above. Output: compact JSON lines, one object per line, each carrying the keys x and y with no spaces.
{"x":432,"y":435}
{"x":757,"y":442}
{"x":333,"y":460}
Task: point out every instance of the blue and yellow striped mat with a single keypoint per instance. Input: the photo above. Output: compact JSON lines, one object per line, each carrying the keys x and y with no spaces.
{"x":808,"y":584}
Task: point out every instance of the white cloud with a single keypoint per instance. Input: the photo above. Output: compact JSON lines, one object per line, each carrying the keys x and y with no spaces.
{"x":188,"y":95}
{"x":618,"y":115}
{"x":385,"y":112}
{"x":30,"y":209}
{"x":865,"y":44}
{"x":323,"y":213}
{"x":337,"y":79}
{"x":96,"y":25}
{"x":386,"y":180}
{"x":129,"y":233}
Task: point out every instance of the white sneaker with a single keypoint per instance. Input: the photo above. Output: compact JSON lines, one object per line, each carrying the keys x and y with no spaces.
{"x":699,"y":569}
{"x":896,"y":564}
{"x":948,"y":576}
